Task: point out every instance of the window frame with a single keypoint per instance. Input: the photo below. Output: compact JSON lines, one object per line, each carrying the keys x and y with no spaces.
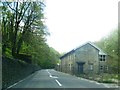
{"x":102,"y":58}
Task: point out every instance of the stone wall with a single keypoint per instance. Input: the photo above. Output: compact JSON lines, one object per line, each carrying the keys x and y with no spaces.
{"x":87,"y":54}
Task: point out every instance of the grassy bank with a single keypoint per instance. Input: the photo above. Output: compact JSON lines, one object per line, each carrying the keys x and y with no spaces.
{"x":103,"y":78}
{"x":15,"y":70}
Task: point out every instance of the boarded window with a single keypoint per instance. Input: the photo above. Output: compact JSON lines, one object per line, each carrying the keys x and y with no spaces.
{"x":90,"y":66}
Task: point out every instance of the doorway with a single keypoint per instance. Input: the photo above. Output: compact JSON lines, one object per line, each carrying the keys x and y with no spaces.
{"x":80,"y":67}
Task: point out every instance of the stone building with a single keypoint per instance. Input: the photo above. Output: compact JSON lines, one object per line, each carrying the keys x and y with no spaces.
{"x":85,"y":59}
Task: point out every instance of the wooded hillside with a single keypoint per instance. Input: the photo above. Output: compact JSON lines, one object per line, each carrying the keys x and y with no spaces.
{"x":110,"y":45}
{"x":24,"y":47}
{"x":24,"y":33}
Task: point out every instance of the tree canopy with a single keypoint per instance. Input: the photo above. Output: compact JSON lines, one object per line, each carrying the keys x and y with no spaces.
{"x":24,"y":33}
{"x":110,"y":45}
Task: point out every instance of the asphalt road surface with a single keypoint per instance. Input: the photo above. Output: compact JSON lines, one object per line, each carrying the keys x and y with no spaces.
{"x":49,"y":78}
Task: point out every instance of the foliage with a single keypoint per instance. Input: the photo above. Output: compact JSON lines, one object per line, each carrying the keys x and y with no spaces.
{"x":109,"y":44}
{"x":61,"y":54}
{"x":24,"y":33}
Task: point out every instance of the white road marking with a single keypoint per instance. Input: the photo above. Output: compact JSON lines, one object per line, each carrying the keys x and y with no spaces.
{"x":12,"y":85}
{"x":97,"y":83}
{"x":51,"y":75}
{"x":16,"y":83}
{"x":58,"y":82}
{"x":54,"y":77}
{"x":91,"y":81}
{"x":19,"y":81}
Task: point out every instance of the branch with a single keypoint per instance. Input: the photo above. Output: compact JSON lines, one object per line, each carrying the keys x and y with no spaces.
{"x":33,"y":20}
{"x":41,"y":3}
{"x":23,"y":12}
{"x":11,"y":7}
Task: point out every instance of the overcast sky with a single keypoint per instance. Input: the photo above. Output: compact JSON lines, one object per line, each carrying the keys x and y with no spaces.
{"x":74,"y":22}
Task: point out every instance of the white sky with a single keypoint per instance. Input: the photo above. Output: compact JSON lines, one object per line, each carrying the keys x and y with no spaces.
{"x":74,"y":22}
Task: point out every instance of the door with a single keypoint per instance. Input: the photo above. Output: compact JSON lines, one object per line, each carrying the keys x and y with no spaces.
{"x":80,"y":67}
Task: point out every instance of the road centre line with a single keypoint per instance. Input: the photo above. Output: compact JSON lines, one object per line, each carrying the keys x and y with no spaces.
{"x":55,"y":79}
{"x":58,"y":82}
{"x":49,"y":73}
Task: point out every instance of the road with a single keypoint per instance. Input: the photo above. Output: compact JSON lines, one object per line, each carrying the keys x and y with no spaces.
{"x":49,"y":78}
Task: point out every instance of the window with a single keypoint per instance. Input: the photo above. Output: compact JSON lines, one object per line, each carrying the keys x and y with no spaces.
{"x":106,"y":68}
{"x":91,"y":66}
{"x":102,"y":57}
{"x":101,"y":68}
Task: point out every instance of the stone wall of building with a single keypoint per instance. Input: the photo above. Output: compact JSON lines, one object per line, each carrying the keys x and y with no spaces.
{"x":87,"y":54}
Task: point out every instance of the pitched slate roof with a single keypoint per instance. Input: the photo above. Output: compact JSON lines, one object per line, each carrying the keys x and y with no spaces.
{"x":92,"y":44}
{"x":67,"y":54}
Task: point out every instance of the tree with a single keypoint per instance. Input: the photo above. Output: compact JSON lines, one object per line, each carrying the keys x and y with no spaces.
{"x":110,"y":45}
{"x":24,"y":33}
{"x":13,"y":14}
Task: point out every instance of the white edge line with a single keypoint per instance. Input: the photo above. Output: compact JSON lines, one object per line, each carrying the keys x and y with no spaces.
{"x":19,"y":81}
{"x":58,"y":82}
{"x":12,"y":85}
{"x":15,"y":83}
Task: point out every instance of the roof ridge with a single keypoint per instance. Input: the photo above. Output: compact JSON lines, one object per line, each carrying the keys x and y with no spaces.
{"x":89,"y":42}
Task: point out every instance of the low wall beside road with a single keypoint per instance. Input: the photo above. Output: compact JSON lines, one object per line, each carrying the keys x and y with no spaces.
{"x":14,"y":70}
